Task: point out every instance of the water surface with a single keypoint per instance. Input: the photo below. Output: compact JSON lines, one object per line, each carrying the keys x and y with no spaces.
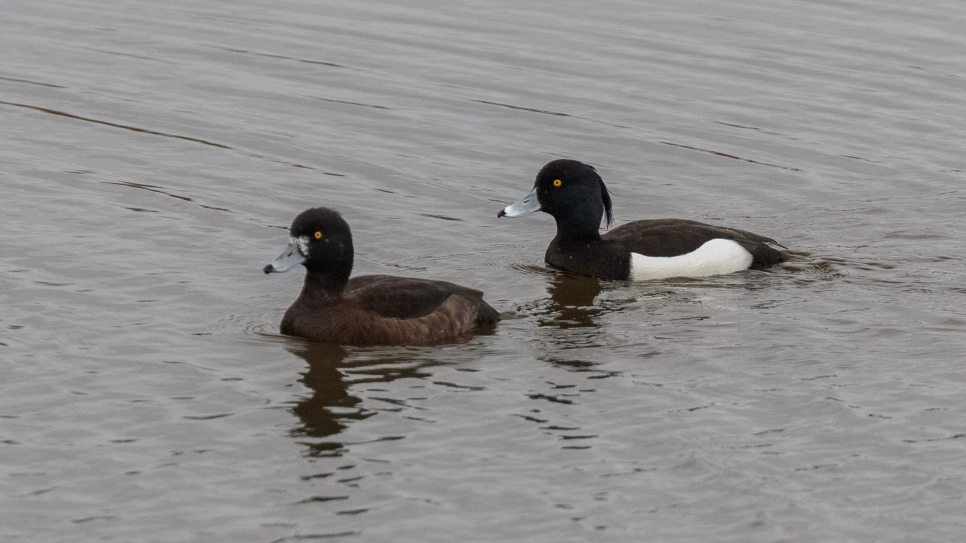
{"x":154,"y":155}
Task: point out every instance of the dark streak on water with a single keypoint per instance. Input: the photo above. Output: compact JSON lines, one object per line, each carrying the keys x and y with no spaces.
{"x":115,"y":125}
{"x":726,"y":155}
{"x":145,"y":394}
{"x":520,"y":108}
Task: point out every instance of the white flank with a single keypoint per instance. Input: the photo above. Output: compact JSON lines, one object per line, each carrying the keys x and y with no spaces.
{"x":715,"y":257}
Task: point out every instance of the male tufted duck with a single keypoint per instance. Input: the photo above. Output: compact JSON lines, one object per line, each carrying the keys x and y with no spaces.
{"x":369,"y":309}
{"x":574,"y":194}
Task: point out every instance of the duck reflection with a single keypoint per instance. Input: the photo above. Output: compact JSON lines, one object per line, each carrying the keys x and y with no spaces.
{"x":331,"y":407}
{"x":571,"y":303}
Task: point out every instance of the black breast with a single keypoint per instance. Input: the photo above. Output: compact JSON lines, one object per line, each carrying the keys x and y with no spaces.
{"x":601,"y":258}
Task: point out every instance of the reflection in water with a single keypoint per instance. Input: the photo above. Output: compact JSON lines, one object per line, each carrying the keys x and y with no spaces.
{"x":331,"y":407}
{"x":329,"y":390}
{"x":572,"y":301}
{"x":571,"y":306}
{"x":574,"y":309}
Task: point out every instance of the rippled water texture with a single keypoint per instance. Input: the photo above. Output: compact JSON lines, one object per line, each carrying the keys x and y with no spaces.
{"x":154,"y":153}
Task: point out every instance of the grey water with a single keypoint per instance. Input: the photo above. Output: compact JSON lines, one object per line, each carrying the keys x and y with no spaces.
{"x":154,"y":153}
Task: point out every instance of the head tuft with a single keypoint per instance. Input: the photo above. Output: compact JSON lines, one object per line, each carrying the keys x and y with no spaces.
{"x":605,"y":197}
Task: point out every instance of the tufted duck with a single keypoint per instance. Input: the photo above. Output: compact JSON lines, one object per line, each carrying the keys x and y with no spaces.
{"x":575,"y":196}
{"x":369,"y":309}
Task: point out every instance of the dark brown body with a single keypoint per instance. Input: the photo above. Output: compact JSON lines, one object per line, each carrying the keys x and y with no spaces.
{"x":388,"y":310}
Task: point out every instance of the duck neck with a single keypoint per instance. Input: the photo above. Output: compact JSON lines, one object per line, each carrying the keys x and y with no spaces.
{"x":577,"y":231}
{"x":323,"y":287}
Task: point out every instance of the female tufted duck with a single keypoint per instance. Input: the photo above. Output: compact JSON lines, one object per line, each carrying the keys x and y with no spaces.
{"x":574,"y":194}
{"x":369,"y":309}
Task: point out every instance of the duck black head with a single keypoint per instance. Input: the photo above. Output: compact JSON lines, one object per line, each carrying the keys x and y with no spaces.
{"x":320,"y":240}
{"x":572,"y":193}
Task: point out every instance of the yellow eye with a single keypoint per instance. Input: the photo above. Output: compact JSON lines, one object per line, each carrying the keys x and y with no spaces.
{"x":557,"y":182}
{"x":318,"y":235}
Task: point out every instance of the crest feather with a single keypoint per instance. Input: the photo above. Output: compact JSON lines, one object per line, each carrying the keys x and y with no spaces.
{"x":605,"y":196}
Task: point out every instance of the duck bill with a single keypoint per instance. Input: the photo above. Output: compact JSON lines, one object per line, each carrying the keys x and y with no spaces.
{"x":523,"y":206}
{"x":290,"y":257}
